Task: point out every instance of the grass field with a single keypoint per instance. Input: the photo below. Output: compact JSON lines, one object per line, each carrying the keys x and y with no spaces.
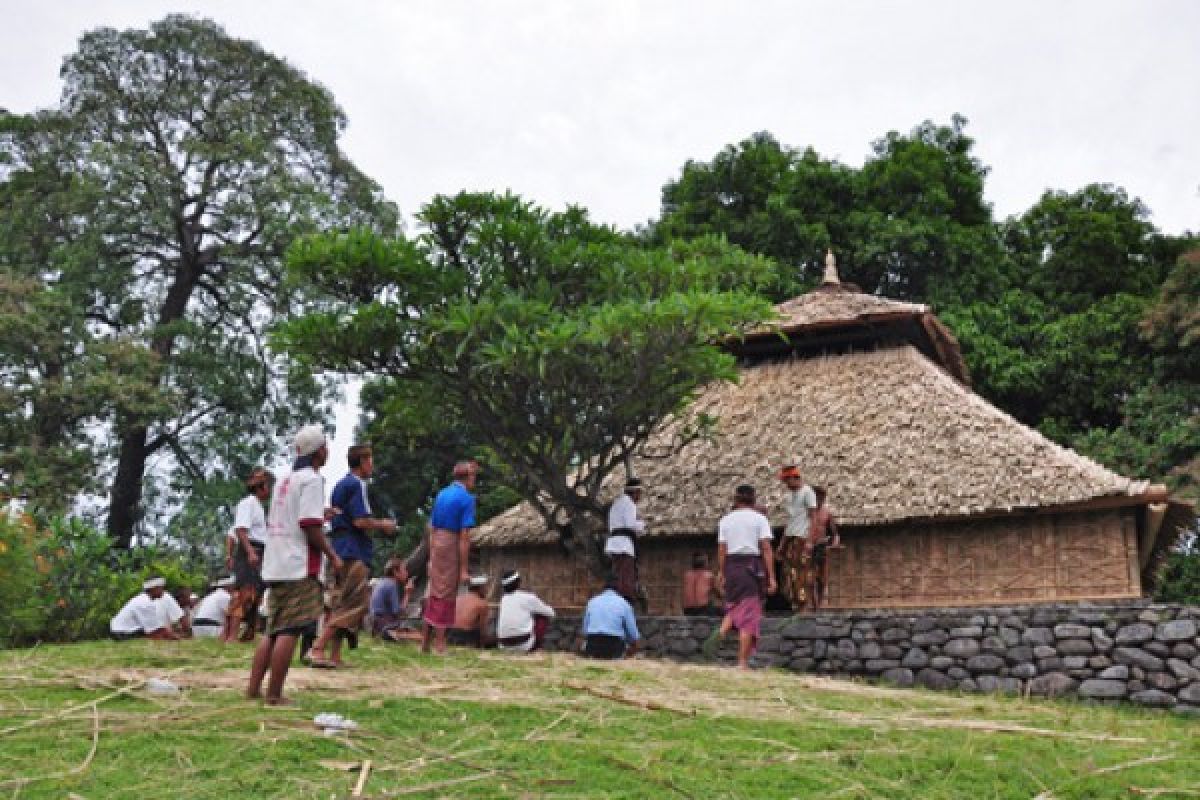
{"x":75,"y":723}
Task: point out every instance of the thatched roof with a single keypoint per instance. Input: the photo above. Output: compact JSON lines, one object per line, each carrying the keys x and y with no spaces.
{"x":890,"y":433}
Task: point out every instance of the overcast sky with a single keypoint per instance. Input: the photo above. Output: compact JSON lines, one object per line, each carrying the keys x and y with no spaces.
{"x":600,"y":102}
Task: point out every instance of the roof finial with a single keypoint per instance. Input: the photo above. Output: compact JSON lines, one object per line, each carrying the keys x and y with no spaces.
{"x":831,"y":273}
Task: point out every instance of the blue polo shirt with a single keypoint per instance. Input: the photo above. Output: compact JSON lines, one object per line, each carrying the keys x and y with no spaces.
{"x":610,"y":614}
{"x":454,"y":509}
{"x":350,"y":495}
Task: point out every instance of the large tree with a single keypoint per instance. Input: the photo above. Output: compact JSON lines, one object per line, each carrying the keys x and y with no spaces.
{"x":556,"y":343}
{"x":179,"y":166}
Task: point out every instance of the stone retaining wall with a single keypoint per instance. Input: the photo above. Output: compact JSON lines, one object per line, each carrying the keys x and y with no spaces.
{"x":1136,"y":651}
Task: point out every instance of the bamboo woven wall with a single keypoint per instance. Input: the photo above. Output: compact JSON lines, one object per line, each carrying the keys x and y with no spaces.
{"x":1017,"y":560}
{"x":1042,"y":558}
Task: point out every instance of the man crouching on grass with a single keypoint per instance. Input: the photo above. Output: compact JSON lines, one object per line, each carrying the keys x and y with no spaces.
{"x":291,"y":563}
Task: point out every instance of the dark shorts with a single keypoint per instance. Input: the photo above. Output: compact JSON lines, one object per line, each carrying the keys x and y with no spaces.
{"x":243,"y":573}
{"x":123,"y":637}
{"x":603,"y":645}
{"x":462,"y":638}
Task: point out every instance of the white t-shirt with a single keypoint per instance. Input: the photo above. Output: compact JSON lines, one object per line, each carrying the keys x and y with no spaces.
{"x":169,"y":611}
{"x":798,"y":506}
{"x":214,"y":606}
{"x":622,"y":514}
{"x":741,"y":531}
{"x":139,"y":614}
{"x":516,"y":615}
{"x":299,"y":499}
{"x":249,"y":515}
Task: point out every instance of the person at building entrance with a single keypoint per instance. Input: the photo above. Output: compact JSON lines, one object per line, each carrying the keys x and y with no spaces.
{"x":623,"y":527}
{"x":795,"y":552}
{"x":824,"y":537}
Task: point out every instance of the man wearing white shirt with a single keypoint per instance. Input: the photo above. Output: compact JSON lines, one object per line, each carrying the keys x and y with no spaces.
{"x":623,"y":527}
{"x":744,"y":564}
{"x":291,"y":562}
{"x":141,"y":616}
{"x":795,"y":550}
{"x":211,"y":611}
{"x":521,"y":625}
{"x":250,"y":532}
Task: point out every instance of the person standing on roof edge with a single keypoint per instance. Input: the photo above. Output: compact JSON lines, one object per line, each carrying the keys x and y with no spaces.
{"x":623,"y":527}
{"x":352,"y":527}
{"x":450,"y":527}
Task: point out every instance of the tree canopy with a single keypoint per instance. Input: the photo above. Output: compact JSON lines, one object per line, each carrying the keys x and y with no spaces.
{"x":556,"y":343}
{"x":152,"y":209}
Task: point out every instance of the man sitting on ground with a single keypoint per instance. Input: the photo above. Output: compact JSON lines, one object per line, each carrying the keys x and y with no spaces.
{"x":471,"y":616}
{"x":521,"y":626}
{"x":609,"y":628}
{"x":141,"y":616}
{"x":212,"y":610}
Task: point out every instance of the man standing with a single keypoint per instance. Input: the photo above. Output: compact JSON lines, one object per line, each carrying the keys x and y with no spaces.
{"x":609,"y":627}
{"x":141,"y":616}
{"x":212,"y":610}
{"x":623,"y":527}
{"x":250,"y":534}
{"x":352,"y":527}
{"x":795,"y":552}
{"x":524,"y":618}
{"x":291,"y":562}
{"x":824,"y":537}
{"x":471,"y":616}
{"x":743,"y":556}
{"x":450,"y":527}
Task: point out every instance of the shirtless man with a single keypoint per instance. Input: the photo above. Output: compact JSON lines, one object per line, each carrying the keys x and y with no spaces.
{"x":471,"y":616}
{"x":699,"y":589}
{"x":823,"y":536}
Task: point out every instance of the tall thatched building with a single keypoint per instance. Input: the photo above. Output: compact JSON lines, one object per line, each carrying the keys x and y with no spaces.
{"x":942,"y":499}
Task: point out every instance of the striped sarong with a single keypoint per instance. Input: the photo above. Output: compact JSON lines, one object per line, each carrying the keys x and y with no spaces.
{"x":293,"y":607}
{"x":744,"y":579}
{"x":351,"y":597}
{"x":443,"y":578}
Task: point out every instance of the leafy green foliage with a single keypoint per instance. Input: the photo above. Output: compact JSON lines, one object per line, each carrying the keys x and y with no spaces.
{"x":152,"y":210}
{"x":556,"y":344}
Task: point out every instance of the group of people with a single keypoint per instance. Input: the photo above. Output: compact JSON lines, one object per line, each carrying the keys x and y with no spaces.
{"x":317,"y":588}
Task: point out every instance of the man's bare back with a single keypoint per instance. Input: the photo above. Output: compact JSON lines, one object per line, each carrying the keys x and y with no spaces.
{"x":697,"y":588}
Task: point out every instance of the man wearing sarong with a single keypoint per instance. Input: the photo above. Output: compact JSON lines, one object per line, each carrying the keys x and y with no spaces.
{"x":212,"y":610}
{"x":795,"y":551}
{"x":745,"y":572}
{"x":824,"y":537}
{"x":471,"y":616}
{"x":291,"y":562}
{"x":250,"y":531}
{"x":623,"y":527}
{"x":523,"y":619}
{"x":450,"y":527}
{"x":352,"y":527}
{"x":609,"y":627}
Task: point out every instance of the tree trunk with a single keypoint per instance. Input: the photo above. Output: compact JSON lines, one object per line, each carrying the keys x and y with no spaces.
{"x":586,"y":545}
{"x":124,"y":510}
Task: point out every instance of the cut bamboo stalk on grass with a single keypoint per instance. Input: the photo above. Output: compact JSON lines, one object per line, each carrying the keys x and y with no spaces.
{"x":645,"y":705}
{"x":433,"y":787}
{"x":1131,"y":764}
{"x":362,"y":779}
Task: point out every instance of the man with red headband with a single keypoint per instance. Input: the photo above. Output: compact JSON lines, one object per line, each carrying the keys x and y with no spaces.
{"x":794,"y":551}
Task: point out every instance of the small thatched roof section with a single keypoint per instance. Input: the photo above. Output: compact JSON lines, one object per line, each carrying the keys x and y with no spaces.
{"x":836,"y":305}
{"x":892,"y":436}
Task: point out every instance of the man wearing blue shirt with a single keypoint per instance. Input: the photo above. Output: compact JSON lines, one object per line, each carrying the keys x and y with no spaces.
{"x":352,"y":527}
{"x":450,"y":527}
{"x":609,"y":628}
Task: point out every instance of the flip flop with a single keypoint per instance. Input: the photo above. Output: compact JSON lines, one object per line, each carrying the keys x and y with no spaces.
{"x":320,"y":663}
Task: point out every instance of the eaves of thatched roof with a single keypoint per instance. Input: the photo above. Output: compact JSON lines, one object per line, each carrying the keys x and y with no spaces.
{"x":889,"y":433}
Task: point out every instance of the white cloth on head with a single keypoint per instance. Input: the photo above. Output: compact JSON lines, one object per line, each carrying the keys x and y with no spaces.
{"x":741,"y":530}
{"x":299,"y":499}
{"x":623,"y":515}
{"x":249,"y":515}
{"x":139,"y":614}
{"x":214,"y":606}
{"x":798,"y":505}
{"x":516,"y":616}
{"x":154,"y":583}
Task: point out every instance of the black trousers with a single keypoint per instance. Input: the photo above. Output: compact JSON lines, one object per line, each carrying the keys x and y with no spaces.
{"x":602,"y":645}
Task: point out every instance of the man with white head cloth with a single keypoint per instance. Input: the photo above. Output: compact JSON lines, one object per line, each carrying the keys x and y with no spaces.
{"x":212,"y":610}
{"x":291,"y":563}
{"x":141,"y":616}
{"x":524,"y":618}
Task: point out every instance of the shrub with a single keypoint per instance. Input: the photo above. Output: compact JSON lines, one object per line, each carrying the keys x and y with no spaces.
{"x":20,"y":619}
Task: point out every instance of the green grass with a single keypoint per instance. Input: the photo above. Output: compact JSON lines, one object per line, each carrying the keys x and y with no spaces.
{"x":487,"y":726}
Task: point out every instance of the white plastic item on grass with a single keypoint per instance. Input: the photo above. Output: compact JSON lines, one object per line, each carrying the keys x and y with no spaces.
{"x":161,"y":686}
{"x":336,"y":722}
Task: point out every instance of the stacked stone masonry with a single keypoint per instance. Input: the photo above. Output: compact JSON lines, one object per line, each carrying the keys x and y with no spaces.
{"x":1134,"y":651}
